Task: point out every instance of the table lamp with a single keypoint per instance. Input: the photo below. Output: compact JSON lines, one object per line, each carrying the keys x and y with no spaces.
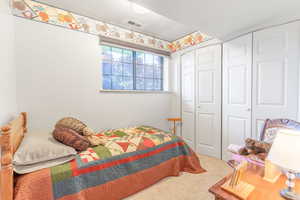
{"x":285,"y":152}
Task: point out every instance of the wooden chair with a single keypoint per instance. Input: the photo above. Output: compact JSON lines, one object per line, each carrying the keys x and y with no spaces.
{"x":174,"y":120}
{"x":269,"y":131}
{"x":272,"y":125}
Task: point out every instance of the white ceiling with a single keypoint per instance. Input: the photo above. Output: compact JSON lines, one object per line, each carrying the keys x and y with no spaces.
{"x":172,"y":19}
{"x":225,"y":18}
{"x":119,"y":12}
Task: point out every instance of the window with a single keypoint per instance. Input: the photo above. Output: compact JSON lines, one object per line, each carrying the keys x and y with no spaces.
{"x":125,"y":69}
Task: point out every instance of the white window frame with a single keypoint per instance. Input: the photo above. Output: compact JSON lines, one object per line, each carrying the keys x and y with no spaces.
{"x":165,"y":78}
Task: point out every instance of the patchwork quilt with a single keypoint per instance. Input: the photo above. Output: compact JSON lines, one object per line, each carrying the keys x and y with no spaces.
{"x":130,"y":160}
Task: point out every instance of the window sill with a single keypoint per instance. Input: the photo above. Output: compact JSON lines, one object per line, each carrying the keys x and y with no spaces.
{"x":135,"y":91}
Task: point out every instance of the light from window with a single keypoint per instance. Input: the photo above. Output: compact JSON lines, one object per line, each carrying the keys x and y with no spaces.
{"x":125,"y":69}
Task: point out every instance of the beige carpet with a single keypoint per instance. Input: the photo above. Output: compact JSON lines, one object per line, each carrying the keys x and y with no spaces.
{"x":186,"y":186}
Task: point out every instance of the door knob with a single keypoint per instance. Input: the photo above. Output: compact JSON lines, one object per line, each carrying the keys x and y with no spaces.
{"x":248,"y":109}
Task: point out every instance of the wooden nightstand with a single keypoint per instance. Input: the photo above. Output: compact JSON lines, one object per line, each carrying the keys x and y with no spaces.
{"x":263,"y":190}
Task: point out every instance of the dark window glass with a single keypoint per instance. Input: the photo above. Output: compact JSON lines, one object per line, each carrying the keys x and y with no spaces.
{"x":157,"y":84}
{"x":127,"y":56}
{"x":149,"y":71}
{"x":140,"y":58}
{"x":128,"y":69}
{"x":106,"y":68}
{"x":125,"y":69}
{"x":140,"y":83}
{"x":140,"y":71}
{"x":149,"y":84}
{"x":157,"y":72}
{"x":117,"y":82}
{"x":106,"y":82}
{"x":116,"y":54}
{"x":117,"y":68}
{"x":149,"y":59}
{"x":157,"y":61}
{"x":127,"y":83}
{"x":106,"y":51}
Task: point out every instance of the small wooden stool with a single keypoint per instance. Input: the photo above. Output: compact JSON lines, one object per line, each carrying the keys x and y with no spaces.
{"x":174,"y":120}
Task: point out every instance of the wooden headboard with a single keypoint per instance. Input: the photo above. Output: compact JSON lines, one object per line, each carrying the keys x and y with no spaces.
{"x":10,"y":139}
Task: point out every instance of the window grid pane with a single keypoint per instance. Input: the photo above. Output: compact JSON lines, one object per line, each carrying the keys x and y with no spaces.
{"x":106,"y":53}
{"x":127,"y":56}
{"x":106,"y":66}
{"x":140,"y":71}
{"x":117,"y":82}
{"x":117,"y":54}
{"x":117,"y":68}
{"x":124,"y":69}
{"x":107,"y":82}
{"x":149,"y":59}
{"x":149,"y":71}
{"x":140,"y":58}
{"x":127,"y":69}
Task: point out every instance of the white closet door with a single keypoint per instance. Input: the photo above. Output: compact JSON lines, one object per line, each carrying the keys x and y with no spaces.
{"x":275,"y":74}
{"x":237,"y":83}
{"x":188,"y":98}
{"x":208,"y":101}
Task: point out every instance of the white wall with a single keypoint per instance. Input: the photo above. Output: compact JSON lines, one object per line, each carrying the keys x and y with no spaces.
{"x":8,"y":104}
{"x":58,"y":74}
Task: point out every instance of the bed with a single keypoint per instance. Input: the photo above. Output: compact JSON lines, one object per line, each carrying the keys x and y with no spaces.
{"x":144,"y":156}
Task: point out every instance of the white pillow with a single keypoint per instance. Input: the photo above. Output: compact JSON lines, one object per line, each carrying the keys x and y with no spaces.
{"x":40,"y":150}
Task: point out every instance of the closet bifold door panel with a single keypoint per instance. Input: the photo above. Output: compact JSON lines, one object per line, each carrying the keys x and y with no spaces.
{"x":237,"y":84}
{"x":188,"y":98}
{"x":208,"y":101}
{"x":275,"y":74}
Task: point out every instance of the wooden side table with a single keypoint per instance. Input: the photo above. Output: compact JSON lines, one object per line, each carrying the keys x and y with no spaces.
{"x":174,"y":120}
{"x":263,"y":190}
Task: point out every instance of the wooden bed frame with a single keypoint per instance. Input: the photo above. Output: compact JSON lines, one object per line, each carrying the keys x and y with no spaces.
{"x":11,"y":138}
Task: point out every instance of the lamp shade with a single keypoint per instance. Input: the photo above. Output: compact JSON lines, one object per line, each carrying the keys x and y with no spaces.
{"x":285,"y":151}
